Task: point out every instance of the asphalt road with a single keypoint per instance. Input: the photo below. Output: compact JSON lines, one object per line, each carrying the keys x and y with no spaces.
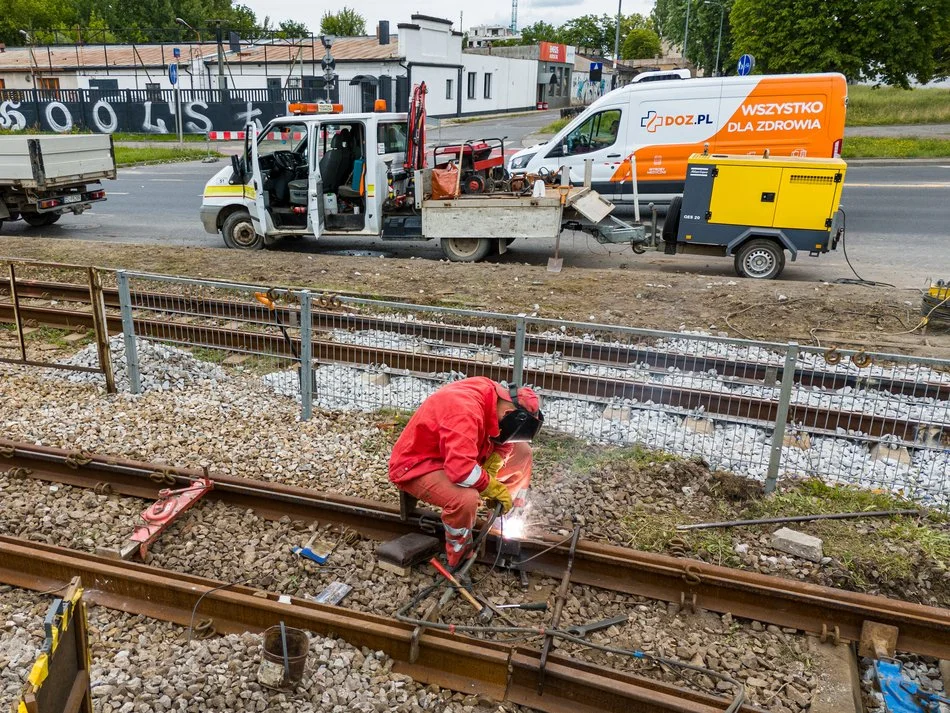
{"x":897,"y":220}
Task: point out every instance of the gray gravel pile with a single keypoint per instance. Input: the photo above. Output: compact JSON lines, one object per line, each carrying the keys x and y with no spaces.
{"x":142,"y":665}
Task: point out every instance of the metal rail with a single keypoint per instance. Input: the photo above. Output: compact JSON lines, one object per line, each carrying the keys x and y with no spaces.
{"x":503,"y":672}
{"x":807,"y":607}
{"x":601,"y":354}
{"x":715,"y":404}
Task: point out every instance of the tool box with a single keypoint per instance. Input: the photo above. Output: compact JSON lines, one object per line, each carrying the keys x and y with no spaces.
{"x":755,"y":208}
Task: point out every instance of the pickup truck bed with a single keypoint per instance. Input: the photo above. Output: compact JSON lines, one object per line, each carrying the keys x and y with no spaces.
{"x":46,"y":161}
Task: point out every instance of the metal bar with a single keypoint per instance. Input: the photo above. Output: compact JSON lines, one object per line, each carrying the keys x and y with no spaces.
{"x":447,"y":660}
{"x":783,"y":602}
{"x":306,"y":357}
{"x":798,"y":518}
{"x":781,"y":417}
{"x":51,"y":365}
{"x":17,"y":319}
{"x":128,"y":332}
{"x":558,"y":607}
{"x":518,"y":362}
{"x":103,"y":348}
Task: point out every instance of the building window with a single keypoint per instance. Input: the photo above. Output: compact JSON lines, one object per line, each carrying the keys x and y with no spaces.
{"x":448,"y":88}
{"x":471,"y":85}
{"x":51,"y":83}
{"x":488,"y":85}
{"x":153,"y":92}
{"x":3,"y":84}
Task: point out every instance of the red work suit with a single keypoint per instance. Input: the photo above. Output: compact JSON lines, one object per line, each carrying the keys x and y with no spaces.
{"x":438,"y":458}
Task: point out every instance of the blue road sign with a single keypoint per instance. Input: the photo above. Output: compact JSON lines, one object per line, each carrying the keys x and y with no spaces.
{"x":594,"y":66}
{"x":176,"y":52}
{"x":746,"y":65}
{"x":173,"y":73}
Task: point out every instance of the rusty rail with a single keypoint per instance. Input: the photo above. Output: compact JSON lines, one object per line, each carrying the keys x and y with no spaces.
{"x":602,"y":354}
{"x":504,"y":673}
{"x":807,"y":607}
{"x":716,"y":404}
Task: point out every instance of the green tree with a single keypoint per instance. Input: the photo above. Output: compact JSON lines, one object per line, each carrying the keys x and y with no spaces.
{"x":345,"y":23}
{"x":290,"y":29}
{"x":586,"y":32}
{"x":669,"y":19}
{"x":540,"y":31}
{"x":640,"y":44}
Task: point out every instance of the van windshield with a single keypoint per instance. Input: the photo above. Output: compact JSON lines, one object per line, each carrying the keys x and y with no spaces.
{"x":599,"y":131}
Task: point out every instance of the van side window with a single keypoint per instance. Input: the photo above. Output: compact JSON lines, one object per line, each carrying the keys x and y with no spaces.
{"x":598,"y":132}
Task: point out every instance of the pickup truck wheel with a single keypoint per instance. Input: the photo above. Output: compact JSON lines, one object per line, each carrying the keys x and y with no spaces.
{"x":466,"y":249}
{"x":238,"y":232}
{"x":760,"y":259}
{"x":39,"y":220}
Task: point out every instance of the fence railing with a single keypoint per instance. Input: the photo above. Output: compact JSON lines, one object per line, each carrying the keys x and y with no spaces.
{"x":766,"y":410}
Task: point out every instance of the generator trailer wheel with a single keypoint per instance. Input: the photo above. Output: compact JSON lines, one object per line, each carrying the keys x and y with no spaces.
{"x":760,"y":259}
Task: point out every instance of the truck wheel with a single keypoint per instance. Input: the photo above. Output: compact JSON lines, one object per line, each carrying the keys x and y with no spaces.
{"x":39,"y":220}
{"x":466,"y":249}
{"x":238,"y":232}
{"x":671,"y":226}
{"x":760,"y":259}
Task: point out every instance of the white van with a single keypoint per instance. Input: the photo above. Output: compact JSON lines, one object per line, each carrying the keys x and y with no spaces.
{"x":663,"y":123}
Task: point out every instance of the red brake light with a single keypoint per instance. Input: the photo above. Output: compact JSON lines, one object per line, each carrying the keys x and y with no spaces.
{"x":836,"y":148}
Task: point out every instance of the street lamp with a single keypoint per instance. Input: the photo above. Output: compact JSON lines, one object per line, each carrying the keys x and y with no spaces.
{"x":686,"y":33}
{"x":722,"y":11}
{"x":617,"y":40}
{"x":192,"y":51}
{"x":33,"y":66}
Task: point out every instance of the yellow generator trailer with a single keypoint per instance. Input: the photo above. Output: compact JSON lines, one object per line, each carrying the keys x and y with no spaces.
{"x":755,"y":208}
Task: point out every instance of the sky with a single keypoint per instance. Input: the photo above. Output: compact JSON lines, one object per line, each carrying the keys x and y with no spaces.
{"x":491,"y":12}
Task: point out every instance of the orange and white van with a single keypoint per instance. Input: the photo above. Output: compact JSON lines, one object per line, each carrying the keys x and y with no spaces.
{"x":663,"y":123}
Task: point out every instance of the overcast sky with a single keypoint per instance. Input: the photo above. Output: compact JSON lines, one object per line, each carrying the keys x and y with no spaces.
{"x":490,"y":12}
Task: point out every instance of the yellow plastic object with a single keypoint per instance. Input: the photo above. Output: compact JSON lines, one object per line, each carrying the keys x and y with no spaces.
{"x":940,"y":291}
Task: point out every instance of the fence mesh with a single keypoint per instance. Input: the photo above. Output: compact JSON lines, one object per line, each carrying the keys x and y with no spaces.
{"x":760,"y":409}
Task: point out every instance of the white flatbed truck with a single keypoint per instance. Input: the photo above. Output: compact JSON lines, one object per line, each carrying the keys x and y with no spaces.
{"x":43,"y":176}
{"x":333,"y":174}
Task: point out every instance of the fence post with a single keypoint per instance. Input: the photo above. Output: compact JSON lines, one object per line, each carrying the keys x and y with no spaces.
{"x":781,"y":417}
{"x":101,"y":327}
{"x":306,"y":357}
{"x":128,"y":332}
{"x":518,"y":364}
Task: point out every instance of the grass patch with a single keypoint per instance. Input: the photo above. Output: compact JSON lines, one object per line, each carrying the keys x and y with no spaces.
{"x":812,"y":496}
{"x":887,"y":147}
{"x":128,"y":156}
{"x":556,"y":125}
{"x":868,"y":106}
{"x":213,"y":356}
{"x":163,"y":138}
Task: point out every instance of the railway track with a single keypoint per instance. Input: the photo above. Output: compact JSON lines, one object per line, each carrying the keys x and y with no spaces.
{"x":716,"y":404}
{"x":824,"y":611}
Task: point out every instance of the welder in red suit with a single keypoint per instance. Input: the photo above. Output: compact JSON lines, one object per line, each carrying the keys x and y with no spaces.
{"x":466,"y":443}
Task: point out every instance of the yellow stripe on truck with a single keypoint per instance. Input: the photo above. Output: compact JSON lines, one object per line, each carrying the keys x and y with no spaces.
{"x":228,"y":191}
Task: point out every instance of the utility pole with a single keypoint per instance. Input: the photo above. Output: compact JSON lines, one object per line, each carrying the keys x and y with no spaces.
{"x":617,"y":38}
{"x":686,"y":34}
{"x":219,"y":35}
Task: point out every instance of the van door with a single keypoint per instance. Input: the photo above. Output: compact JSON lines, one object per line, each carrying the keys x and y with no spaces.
{"x":315,"y":202}
{"x":256,"y":205}
{"x":599,"y":137}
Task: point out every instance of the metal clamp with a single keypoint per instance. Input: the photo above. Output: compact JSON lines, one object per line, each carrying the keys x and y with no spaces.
{"x":691,"y":576}
{"x":832,"y":355}
{"x":162,"y":477}
{"x":861,"y":359}
{"x":204,"y":629}
{"x":7,"y":451}
{"x":78,"y":459}
{"x":19,"y":473}
{"x":688,"y":604}
{"x":834,"y":635}
{"x":103,"y":488}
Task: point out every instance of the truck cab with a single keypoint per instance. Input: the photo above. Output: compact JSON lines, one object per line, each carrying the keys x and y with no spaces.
{"x":315,"y":172}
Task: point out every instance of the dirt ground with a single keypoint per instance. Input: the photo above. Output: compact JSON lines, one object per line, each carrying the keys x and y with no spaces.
{"x":873,"y":318}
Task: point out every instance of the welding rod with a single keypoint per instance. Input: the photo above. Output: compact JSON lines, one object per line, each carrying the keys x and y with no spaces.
{"x":462,"y":590}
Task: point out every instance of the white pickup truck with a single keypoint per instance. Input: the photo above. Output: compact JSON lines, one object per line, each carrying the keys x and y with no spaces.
{"x":43,"y":176}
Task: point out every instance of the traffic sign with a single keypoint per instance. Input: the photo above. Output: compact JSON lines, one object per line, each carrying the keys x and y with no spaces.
{"x":173,"y":73}
{"x":746,"y":65}
{"x":176,"y":52}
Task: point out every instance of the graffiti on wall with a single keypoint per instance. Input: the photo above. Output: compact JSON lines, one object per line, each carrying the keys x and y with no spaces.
{"x":108,"y":115}
{"x":584,"y":91}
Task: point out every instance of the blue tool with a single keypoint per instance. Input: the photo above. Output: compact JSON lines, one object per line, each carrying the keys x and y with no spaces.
{"x":901,"y":695}
{"x":319,"y":552}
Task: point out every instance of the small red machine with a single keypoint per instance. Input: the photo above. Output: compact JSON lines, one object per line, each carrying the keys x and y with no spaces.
{"x":482,"y":163}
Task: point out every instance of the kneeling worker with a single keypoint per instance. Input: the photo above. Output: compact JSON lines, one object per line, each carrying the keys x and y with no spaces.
{"x":467,"y":442}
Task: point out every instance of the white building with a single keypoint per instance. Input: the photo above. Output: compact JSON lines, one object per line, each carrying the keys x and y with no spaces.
{"x":484,"y":35}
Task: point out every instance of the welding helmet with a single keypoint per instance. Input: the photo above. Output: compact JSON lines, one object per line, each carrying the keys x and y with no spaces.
{"x":522,"y":424}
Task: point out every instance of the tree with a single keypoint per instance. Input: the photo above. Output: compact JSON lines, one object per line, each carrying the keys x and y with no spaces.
{"x":640,"y":44}
{"x":892,"y":41}
{"x":669,"y":19}
{"x":586,"y":32}
{"x":291,"y":29}
{"x":538,"y":32}
{"x":345,"y":23}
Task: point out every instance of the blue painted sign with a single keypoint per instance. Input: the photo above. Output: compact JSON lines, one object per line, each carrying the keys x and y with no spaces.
{"x":176,"y":52}
{"x":746,"y":65}
{"x":173,"y":73}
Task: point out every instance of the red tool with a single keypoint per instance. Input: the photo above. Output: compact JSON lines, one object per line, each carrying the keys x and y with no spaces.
{"x":462,"y":590}
{"x":159,"y":515}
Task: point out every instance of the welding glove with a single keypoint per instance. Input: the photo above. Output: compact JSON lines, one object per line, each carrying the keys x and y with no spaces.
{"x":493,"y":464}
{"x":496,"y":492}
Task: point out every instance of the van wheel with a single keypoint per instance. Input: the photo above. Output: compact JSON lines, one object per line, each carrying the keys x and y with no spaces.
{"x":238,"y":232}
{"x":40,"y":220}
{"x":466,"y":249}
{"x":760,"y":259}
{"x":671,"y":226}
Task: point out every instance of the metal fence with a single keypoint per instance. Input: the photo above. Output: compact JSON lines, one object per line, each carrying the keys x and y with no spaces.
{"x":766,"y":410}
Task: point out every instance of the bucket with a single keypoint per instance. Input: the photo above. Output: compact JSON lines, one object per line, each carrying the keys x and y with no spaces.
{"x":273,"y":673}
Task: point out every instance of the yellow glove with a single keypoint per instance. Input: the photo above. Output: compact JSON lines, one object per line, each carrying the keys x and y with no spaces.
{"x":493,"y":464}
{"x":496,"y":492}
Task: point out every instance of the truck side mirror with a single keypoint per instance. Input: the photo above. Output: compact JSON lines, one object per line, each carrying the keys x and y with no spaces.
{"x":237,"y":171}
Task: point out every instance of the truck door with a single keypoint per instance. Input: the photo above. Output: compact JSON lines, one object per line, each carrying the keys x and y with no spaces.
{"x":316,"y":146}
{"x":254,"y":192}
{"x":601,"y":137}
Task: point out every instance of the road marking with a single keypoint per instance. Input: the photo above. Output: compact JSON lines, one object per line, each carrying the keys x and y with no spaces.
{"x":896,"y":185}
{"x":116,"y":193}
{"x":168,"y":180}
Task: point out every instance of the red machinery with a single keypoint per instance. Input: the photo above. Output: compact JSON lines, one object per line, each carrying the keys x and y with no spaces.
{"x":482,"y":164}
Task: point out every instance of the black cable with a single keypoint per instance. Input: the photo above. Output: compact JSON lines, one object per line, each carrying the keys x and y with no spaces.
{"x":844,"y":249}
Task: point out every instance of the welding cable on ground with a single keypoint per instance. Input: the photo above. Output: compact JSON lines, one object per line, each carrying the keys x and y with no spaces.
{"x":844,"y":248}
{"x":402,"y":616}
